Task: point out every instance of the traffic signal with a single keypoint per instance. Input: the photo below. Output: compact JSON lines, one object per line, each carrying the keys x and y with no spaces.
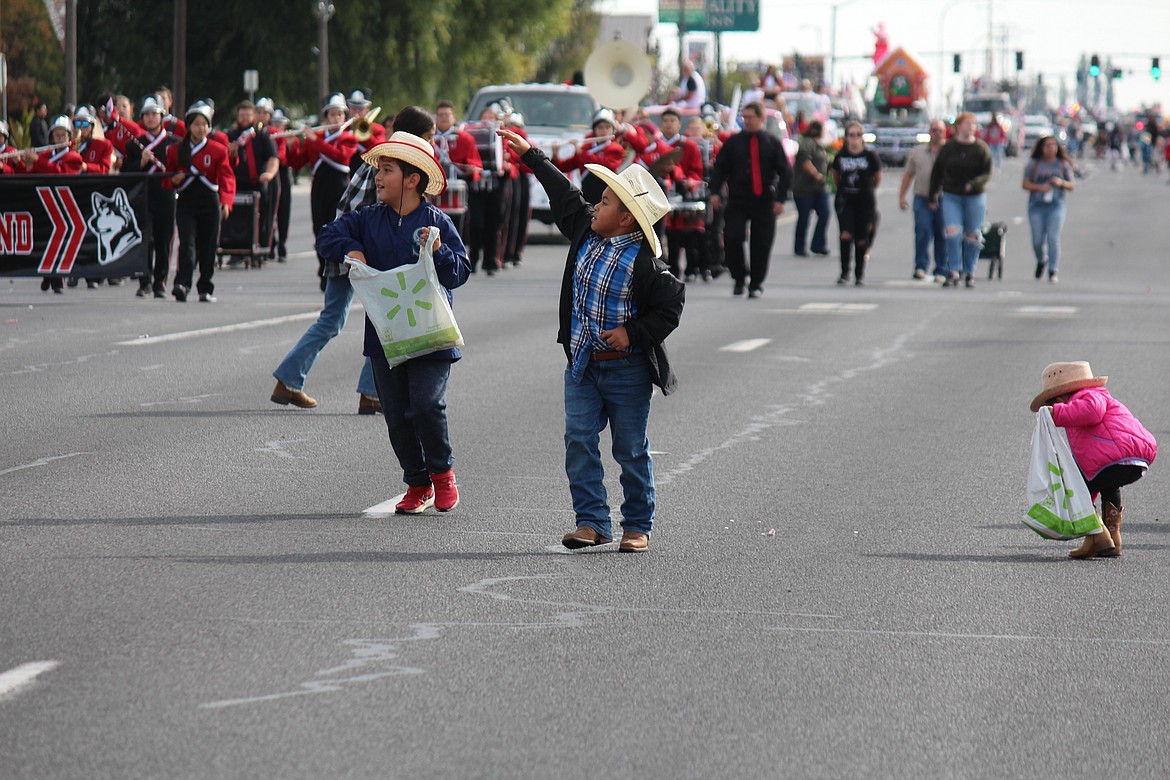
{"x":1156,"y":69}
{"x":1115,"y":73}
{"x":1094,"y":66}
{"x":958,"y":63}
{"x":1019,"y":60}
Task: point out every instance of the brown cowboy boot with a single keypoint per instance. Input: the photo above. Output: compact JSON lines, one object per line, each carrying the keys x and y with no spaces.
{"x":1113,"y":523}
{"x":1098,"y":545}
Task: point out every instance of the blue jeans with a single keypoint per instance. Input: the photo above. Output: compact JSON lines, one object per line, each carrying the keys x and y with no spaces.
{"x":616,"y":392}
{"x":1046,"y":220}
{"x":414,"y":402}
{"x":805,"y":206}
{"x":928,"y":228}
{"x":296,"y":364}
{"x":963,"y":217}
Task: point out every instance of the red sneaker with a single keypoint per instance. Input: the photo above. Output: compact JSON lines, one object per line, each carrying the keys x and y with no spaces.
{"x":416,"y":500}
{"x":446,"y":491}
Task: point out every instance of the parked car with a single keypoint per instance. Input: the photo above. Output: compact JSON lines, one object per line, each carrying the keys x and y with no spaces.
{"x":894,"y":133}
{"x":1036,"y":126}
{"x":986,"y":105}
{"x":553,"y":114}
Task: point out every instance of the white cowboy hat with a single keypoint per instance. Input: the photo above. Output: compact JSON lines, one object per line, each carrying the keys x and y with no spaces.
{"x":641,"y":194}
{"x":1061,"y":378}
{"x":413,"y":150}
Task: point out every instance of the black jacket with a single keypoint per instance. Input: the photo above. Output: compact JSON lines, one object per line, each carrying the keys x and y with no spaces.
{"x":657,"y":294}
{"x":733,"y":166}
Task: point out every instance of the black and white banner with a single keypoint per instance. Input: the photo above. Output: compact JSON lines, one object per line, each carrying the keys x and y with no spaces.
{"x":84,"y":226}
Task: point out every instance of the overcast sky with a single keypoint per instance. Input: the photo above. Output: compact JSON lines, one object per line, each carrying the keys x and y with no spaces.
{"x":1052,"y":33}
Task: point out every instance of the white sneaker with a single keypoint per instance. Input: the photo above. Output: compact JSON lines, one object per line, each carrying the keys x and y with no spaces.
{"x":206,"y":298}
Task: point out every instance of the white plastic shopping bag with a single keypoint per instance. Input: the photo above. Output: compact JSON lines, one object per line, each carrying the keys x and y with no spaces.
{"x":407,"y":306}
{"x":1061,"y":505}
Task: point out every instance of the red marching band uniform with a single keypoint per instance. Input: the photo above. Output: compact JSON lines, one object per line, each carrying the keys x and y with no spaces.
{"x":9,"y":155}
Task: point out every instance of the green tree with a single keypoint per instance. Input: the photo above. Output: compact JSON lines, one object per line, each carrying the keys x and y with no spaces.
{"x":36,"y":61}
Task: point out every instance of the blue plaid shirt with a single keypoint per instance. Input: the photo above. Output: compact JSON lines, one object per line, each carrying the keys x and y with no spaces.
{"x":602,"y":298}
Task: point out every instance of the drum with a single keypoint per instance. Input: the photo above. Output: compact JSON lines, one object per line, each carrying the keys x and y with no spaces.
{"x":689,"y":211}
{"x":453,"y":201}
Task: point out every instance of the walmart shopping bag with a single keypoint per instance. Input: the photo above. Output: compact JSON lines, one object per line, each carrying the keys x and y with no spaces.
{"x":407,"y":306}
{"x":1061,"y":505}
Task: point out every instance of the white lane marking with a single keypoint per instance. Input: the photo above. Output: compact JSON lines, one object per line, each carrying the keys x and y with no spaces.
{"x":190,"y":334}
{"x":747,"y":345}
{"x":276,"y":447}
{"x":835,"y":308}
{"x":42,"y":462}
{"x":24,"y":674}
{"x":385,"y":508}
{"x":1046,"y":311}
{"x":192,"y":399}
{"x":955,"y":635}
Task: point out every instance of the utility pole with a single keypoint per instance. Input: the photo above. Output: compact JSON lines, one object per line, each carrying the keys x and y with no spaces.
{"x":179,"y":65}
{"x":682,"y":34}
{"x":325,"y":12}
{"x":71,"y":52}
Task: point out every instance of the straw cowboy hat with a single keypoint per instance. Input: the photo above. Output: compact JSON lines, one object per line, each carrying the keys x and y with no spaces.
{"x":641,"y":194}
{"x":1061,"y":378}
{"x":414,"y":150}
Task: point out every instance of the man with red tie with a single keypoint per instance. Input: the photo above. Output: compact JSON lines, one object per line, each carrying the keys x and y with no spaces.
{"x":757,"y":173}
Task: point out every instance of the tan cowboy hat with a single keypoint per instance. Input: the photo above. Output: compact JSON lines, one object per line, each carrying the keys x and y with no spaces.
{"x":413,"y":150}
{"x":1061,"y":378}
{"x":641,"y":194}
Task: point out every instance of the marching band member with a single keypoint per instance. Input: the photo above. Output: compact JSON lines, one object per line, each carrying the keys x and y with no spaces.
{"x":519,"y":211}
{"x":600,"y":148}
{"x":278,"y":123}
{"x":255,"y":164}
{"x":62,"y":160}
{"x":328,"y":154}
{"x":485,"y":198}
{"x":201,"y":173}
{"x":119,"y":130}
{"x":359,"y":104}
{"x":458,"y":153}
{"x":96,"y":152}
{"x":7,"y":164}
{"x":684,"y":177}
{"x":172,"y":124}
{"x":149,"y":156}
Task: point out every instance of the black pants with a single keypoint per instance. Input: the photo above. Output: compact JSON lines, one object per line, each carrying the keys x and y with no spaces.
{"x":197,"y":214}
{"x":858,"y":219}
{"x":283,"y":210}
{"x":690,"y":242}
{"x":162,"y":233}
{"x":270,"y":196}
{"x":1111,"y":479}
{"x":518,"y":217}
{"x":328,"y":187}
{"x":757,"y":211}
{"x":486,"y":210}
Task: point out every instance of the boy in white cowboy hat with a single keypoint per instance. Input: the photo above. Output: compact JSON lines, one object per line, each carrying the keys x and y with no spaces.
{"x":618,"y":304}
{"x":1111,"y":448}
{"x":384,"y":236}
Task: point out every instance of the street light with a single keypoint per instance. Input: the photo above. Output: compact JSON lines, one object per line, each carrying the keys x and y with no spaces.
{"x":324,"y":13}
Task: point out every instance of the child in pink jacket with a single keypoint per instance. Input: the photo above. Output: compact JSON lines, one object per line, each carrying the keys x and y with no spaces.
{"x":1111,"y":447}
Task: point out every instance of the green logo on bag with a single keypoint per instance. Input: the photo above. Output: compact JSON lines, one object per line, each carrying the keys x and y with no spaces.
{"x":410,"y":318}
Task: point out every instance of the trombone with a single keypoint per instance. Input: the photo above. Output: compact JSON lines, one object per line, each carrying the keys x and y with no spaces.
{"x":317,"y":129}
{"x":363,"y":128}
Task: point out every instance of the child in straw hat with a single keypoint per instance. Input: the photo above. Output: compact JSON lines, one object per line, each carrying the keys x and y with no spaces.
{"x":1111,"y":447}
{"x":618,"y":304}
{"x":384,"y":236}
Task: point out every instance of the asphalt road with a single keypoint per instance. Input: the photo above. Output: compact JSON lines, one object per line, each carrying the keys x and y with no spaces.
{"x":838,"y":583}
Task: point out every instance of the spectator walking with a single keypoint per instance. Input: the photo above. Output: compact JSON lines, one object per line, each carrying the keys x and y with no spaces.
{"x":928,"y":219}
{"x":1048,"y":178}
{"x":810,"y":191}
{"x":755,"y":169}
{"x":957,"y":183}
{"x":857,"y":173}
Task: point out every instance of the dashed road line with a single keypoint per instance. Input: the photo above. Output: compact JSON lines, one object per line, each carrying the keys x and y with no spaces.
{"x":41,"y":462}
{"x":190,"y":334}
{"x":1046,"y":311}
{"x":835,"y":308}
{"x":747,"y":345}
{"x":23,"y":675}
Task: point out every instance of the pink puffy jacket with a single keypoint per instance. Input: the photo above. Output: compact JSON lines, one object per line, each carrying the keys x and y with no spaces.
{"x":1102,"y":432}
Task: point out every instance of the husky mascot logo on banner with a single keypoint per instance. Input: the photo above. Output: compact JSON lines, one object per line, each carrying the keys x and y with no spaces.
{"x":114,"y":224}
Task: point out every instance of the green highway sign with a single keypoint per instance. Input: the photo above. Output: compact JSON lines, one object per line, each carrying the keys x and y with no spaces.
{"x":713,"y":15}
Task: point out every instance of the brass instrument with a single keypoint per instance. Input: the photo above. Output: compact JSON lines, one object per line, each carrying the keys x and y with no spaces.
{"x":316,"y":129}
{"x":618,"y":74}
{"x":363,"y":127}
